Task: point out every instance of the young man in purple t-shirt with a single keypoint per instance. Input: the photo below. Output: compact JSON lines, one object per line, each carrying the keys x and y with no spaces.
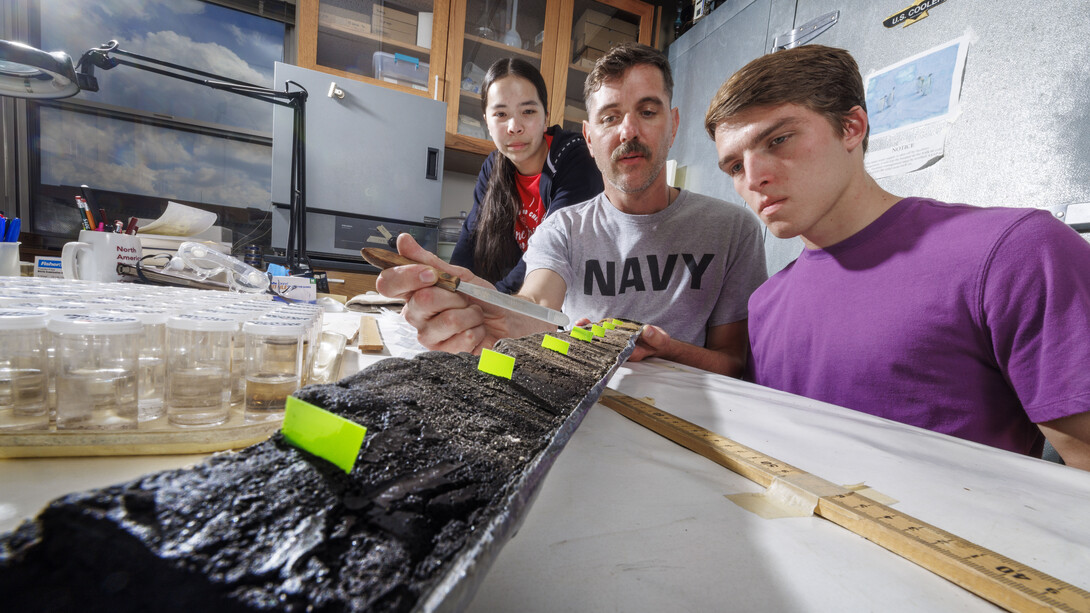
{"x":964,"y":320}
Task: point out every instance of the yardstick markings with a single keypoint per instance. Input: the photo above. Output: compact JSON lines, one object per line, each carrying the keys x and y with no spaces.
{"x":994,"y":577}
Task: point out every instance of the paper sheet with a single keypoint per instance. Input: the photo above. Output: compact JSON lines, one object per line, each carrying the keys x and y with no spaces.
{"x":180,"y":220}
{"x":911,"y":105}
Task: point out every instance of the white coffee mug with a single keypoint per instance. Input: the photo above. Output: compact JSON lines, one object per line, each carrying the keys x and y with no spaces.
{"x":95,"y":256}
{"x":9,"y":259}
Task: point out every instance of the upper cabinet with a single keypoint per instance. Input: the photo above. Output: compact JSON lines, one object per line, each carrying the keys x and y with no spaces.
{"x":442,"y":48}
{"x":589,"y":29}
{"x":483,"y":31}
{"x":400,"y":44}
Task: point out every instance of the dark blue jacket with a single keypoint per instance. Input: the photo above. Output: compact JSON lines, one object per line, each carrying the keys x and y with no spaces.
{"x":569,"y":177}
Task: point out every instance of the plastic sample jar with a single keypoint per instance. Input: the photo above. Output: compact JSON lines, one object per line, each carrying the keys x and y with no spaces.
{"x":274,"y":366}
{"x":309,"y":323}
{"x":238,"y":348}
{"x":198,"y":381}
{"x":326,"y":365}
{"x":24,"y":369}
{"x":96,"y":359}
{"x":152,"y":360}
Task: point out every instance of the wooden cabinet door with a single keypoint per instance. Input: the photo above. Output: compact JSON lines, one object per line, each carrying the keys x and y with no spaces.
{"x":481,"y":32}
{"x":380,"y":42}
{"x":586,"y":30}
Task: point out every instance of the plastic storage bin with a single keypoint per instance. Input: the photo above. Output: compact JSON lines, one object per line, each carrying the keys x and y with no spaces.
{"x":401,"y":69}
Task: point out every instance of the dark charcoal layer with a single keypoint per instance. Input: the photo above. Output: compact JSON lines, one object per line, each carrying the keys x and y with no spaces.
{"x":274,"y":528}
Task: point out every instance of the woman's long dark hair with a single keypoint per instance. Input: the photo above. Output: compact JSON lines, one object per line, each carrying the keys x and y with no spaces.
{"x":496,"y":250}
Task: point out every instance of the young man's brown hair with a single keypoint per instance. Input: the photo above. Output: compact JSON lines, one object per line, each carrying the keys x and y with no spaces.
{"x":619,"y":59}
{"x":822,"y":79}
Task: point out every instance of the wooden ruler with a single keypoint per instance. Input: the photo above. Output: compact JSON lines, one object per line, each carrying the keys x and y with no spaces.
{"x":370,"y":336}
{"x":997,"y":578}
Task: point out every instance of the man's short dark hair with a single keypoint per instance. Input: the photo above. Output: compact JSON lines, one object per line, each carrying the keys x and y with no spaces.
{"x":619,"y":59}
{"x":823,"y":79}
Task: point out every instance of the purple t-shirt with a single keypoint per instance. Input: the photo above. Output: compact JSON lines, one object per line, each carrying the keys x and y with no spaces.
{"x":970,"y":321}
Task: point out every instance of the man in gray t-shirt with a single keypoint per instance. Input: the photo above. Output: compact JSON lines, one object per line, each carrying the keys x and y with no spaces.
{"x":687,"y":268}
{"x":641,"y":250}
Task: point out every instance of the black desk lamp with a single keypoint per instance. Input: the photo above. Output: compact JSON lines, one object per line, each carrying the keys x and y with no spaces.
{"x":26,"y":72}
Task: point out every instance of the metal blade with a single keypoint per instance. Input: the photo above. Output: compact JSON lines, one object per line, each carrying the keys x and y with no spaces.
{"x":517,"y":305}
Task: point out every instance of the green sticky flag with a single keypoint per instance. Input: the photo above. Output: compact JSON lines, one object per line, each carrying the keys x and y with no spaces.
{"x":322,"y":433}
{"x":609,"y":325}
{"x":496,"y":363}
{"x":557,"y":345}
{"x":597,"y":330}
{"x":618,"y":322}
{"x":582,"y":334}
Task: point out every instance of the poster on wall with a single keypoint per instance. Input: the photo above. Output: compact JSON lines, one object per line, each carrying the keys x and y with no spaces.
{"x":911,"y":105}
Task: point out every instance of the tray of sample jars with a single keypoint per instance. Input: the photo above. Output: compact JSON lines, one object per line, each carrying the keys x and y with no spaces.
{"x":153,"y":437}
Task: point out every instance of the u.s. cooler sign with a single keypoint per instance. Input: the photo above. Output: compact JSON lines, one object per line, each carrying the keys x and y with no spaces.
{"x":912,"y":14}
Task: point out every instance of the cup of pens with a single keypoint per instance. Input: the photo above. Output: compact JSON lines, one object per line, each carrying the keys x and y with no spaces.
{"x":95,"y":256}
{"x":9,"y":247}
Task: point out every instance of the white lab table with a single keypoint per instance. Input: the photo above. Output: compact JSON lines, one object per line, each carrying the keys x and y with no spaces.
{"x":628,"y":521}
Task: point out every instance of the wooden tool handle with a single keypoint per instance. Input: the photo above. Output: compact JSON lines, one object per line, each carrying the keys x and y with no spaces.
{"x":384,"y":258}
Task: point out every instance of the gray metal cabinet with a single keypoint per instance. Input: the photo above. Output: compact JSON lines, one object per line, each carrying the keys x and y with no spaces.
{"x":1023,"y":136}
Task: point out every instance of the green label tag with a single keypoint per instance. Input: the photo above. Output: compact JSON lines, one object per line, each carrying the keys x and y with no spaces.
{"x":618,"y":322}
{"x":496,"y":363}
{"x":598,"y":330}
{"x":557,"y":345}
{"x":609,"y":325}
{"x":582,"y":334}
{"x":322,"y":433}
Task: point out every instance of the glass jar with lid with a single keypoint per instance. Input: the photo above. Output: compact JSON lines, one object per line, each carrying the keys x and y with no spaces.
{"x":96,"y":358}
{"x":24,"y":367}
{"x":198,"y":381}
{"x":274,"y":365}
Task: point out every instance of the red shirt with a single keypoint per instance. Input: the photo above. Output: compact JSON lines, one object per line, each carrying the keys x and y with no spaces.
{"x":532,"y":210}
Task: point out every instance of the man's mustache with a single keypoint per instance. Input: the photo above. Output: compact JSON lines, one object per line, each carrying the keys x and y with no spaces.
{"x":628,"y":148}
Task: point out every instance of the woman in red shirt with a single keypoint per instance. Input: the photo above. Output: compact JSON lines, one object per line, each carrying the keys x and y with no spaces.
{"x":534,"y":171}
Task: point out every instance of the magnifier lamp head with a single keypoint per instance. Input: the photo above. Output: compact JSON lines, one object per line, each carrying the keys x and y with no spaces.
{"x":26,"y":72}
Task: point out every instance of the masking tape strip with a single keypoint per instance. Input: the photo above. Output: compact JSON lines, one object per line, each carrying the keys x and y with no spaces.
{"x":791,"y":496}
{"x":864,"y":490}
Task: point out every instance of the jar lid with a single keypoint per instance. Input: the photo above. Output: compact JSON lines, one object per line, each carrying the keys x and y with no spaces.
{"x":149,"y":316}
{"x":202,"y":323}
{"x":94,"y":323}
{"x":287,"y":315}
{"x":22,"y":319}
{"x":226,"y":312}
{"x":69,"y":307}
{"x":273,"y":328}
{"x":26,"y":304}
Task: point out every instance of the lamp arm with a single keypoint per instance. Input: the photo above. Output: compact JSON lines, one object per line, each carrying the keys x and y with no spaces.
{"x":296,"y":100}
{"x":100,"y":56}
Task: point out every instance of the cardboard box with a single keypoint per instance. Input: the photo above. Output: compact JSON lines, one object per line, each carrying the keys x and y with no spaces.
{"x":344,"y":24}
{"x":327,"y":10}
{"x":601,"y":39}
{"x":599,"y":31}
{"x":394,"y":24}
{"x":397,"y":36}
{"x":587,"y":57}
{"x":575,"y":113}
{"x":395,"y":27}
{"x":386,"y":13}
{"x":595,"y":18}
